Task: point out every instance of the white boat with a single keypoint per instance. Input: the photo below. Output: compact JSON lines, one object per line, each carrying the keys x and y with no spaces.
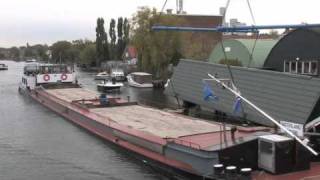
{"x":102,"y":76}
{"x":31,"y":60}
{"x":140,"y":79}
{"x":118,"y":74}
{"x":3,"y":67}
{"x":107,"y":85}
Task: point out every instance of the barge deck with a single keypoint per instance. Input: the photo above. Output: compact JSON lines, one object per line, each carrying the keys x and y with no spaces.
{"x":183,"y":143}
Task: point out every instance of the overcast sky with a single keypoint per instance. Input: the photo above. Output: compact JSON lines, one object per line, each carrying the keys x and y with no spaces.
{"x":46,"y":21}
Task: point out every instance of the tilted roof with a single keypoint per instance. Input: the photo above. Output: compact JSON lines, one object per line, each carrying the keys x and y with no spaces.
{"x":286,"y":97}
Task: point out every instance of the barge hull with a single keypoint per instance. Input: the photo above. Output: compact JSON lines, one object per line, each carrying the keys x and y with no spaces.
{"x":80,"y":118}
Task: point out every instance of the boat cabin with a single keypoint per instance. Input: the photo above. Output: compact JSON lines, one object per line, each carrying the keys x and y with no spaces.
{"x":36,"y":74}
{"x":3,"y":67}
{"x":141,"y":77}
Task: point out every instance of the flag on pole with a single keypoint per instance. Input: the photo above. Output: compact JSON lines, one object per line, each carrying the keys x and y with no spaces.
{"x":237,"y":106}
{"x":208,"y":93}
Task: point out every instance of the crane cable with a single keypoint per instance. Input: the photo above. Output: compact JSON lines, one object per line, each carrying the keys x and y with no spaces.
{"x":257,"y":34}
{"x":222,"y":45}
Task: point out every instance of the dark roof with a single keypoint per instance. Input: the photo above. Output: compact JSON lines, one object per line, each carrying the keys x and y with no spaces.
{"x":286,"y":97}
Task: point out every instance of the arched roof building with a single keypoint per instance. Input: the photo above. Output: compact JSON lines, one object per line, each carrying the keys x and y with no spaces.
{"x":240,"y":50}
{"x":297,"y":52}
{"x":287,"y":87}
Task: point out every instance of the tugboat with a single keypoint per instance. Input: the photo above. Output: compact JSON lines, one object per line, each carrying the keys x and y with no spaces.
{"x":3,"y":67}
{"x":108,"y":86}
{"x":140,"y":79}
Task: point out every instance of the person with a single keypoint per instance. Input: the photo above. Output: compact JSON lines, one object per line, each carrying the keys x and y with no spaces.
{"x":113,"y":80}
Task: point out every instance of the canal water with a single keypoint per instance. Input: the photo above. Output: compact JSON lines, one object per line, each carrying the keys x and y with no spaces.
{"x":36,"y":143}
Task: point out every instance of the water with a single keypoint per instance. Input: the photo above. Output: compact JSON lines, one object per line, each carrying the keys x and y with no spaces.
{"x":36,"y":143}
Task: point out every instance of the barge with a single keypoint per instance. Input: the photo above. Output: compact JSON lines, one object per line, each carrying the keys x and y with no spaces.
{"x":3,"y":67}
{"x":190,"y":146}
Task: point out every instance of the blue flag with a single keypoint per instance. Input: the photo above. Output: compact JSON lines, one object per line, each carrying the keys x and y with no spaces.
{"x":237,"y":106}
{"x":208,"y":93}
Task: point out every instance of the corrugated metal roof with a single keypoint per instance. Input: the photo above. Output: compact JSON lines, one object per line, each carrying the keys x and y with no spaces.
{"x":241,"y":49}
{"x":286,"y":97}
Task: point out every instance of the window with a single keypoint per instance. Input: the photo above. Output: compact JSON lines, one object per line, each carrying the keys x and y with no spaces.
{"x":314,"y":68}
{"x":299,"y":67}
{"x":293,"y":67}
{"x":286,"y":66}
{"x":306,"y":68}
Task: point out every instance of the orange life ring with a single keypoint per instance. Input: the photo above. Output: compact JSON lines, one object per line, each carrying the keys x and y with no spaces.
{"x":64,"y":77}
{"x":46,"y":77}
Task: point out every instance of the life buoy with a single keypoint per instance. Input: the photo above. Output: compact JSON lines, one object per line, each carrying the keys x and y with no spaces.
{"x":46,"y":77}
{"x":64,"y":77}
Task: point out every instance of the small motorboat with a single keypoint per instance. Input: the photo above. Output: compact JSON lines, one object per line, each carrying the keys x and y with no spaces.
{"x":31,"y":60}
{"x":140,"y":79}
{"x":102,"y":76}
{"x":107,"y":85}
{"x":3,"y":67}
{"x":118,"y":74}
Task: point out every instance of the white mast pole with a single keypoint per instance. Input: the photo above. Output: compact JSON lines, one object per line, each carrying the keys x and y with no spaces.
{"x":264,"y":114}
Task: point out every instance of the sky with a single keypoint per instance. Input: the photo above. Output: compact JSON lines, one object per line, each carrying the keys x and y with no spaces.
{"x":47,"y":21}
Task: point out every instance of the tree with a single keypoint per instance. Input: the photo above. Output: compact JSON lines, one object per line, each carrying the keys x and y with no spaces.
{"x":156,"y":50}
{"x":113,"y":39}
{"x":40,"y":51}
{"x":120,"y":38}
{"x":88,"y":55}
{"x":14,"y":53}
{"x":80,"y":44}
{"x":61,"y":52}
{"x":102,"y":45}
{"x":126,"y":30}
{"x":28,"y":52}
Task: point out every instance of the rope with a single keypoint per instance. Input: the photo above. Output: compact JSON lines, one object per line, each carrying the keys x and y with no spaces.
{"x":251,"y":12}
{"x":222,"y":45}
{"x":257,"y":36}
{"x":164,"y":5}
{"x":253,"y":48}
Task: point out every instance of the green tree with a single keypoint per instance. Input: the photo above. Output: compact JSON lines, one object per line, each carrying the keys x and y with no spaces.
{"x":88,"y":55}
{"x":156,"y":50}
{"x":40,"y":51}
{"x":14,"y":53}
{"x":28,"y":53}
{"x":126,"y":31}
{"x":120,"y":38}
{"x":61,"y":52}
{"x":102,"y":45}
{"x":113,"y":39}
{"x":80,"y":44}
